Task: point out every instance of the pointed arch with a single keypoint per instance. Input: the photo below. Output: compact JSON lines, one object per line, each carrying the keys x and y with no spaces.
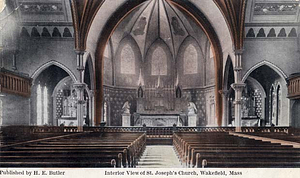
{"x":267,"y":63}
{"x":101,"y":30}
{"x":228,"y":72}
{"x":158,"y":57}
{"x":90,"y":66}
{"x":37,"y":72}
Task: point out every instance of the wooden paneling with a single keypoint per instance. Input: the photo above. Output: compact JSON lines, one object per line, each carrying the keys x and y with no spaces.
{"x":14,"y":84}
{"x":294,"y":87}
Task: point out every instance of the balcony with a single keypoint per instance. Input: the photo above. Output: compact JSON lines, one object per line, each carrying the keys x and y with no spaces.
{"x":14,"y":83}
{"x":294,"y":86}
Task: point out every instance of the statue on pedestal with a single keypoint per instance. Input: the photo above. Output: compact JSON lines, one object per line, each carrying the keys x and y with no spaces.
{"x":126,"y":108}
{"x":192,"y":109}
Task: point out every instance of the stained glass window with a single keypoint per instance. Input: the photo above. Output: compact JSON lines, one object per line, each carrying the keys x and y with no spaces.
{"x":190,"y":64}
{"x":159,"y":62}
{"x":127,"y":60}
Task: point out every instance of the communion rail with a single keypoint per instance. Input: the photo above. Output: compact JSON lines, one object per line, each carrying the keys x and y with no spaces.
{"x":148,"y":130}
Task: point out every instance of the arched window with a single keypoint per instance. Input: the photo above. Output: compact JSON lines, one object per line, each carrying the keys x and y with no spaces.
{"x":39,"y":107}
{"x":127,"y":60}
{"x":45,"y":106}
{"x":190,"y":64}
{"x":278,"y":113}
{"x":42,"y":105}
{"x":105,"y":110}
{"x":272,"y":105}
{"x":159,"y":62}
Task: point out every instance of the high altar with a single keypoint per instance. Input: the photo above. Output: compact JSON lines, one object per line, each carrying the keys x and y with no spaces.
{"x":159,"y":105}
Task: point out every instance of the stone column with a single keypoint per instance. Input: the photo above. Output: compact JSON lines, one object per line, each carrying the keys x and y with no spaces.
{"x":80,"y":87}
{"x":238,"y":87}
{"x":92,"y":107}
{"x":225,"y":103}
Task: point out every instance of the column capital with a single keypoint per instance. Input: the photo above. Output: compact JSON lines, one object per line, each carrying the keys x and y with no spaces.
{"x":79,"y":86}
{"x":238,"y":51}
{"x":92,"y":93}
{"x":79,"y":52}
{"x":224,"y":92}
{"x":238,"y":86}
{"x":238,"y":102}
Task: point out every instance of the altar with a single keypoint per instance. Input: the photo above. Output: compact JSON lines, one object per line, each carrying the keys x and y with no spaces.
{"x":158,"y":120}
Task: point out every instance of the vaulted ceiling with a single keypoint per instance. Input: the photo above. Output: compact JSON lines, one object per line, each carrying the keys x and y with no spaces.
{"x":84,"y":10}
{"x":157,"y":20}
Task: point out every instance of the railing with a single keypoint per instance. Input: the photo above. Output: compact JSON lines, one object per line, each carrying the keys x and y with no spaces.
{"x":150,"y":131}
{"x":267,"y":129}
{"x":205,"y":129}
{"x":114,"y":129}
{"x":294,"y":86}
{"x":14,"y":84}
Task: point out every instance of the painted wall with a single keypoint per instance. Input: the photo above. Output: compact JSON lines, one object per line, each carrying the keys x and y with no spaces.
{"x":15,"y":110}
{"x":280,"y":52}
{"x":35,"y":52}
{"x":115,"y":98}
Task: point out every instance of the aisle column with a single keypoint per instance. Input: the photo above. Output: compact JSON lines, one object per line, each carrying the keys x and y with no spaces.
{"x":80,"y":87}
{"x":225,"y":103}
{"x":238,"y":87}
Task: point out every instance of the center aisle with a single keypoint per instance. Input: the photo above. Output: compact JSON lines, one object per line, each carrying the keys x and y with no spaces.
{"x":159,"y":156}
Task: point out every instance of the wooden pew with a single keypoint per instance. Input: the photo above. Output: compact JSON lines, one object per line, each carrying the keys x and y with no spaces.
{"x":224,"y":150}
{"x":85,"y":150}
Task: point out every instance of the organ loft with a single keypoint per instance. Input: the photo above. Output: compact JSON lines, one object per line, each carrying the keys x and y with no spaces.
{"x":194,"y":82}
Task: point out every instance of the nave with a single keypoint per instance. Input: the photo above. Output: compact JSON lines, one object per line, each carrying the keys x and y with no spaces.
{"x":138,"y":147}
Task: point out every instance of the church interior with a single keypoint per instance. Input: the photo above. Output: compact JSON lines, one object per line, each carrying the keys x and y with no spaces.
{"x":150,"y":83}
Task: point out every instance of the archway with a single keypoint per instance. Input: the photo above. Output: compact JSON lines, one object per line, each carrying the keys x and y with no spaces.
{"x":195,"y":10}
{"x":45,"y":80}
{"x":270,"y":79}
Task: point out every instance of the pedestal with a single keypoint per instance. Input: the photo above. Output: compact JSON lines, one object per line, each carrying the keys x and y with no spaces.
{"x":192,"y":120}
{"x":126,"y":120}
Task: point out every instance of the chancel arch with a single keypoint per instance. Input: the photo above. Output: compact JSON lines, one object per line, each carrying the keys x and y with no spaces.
{"x":191,"y":11}
{"x":162,"y":75}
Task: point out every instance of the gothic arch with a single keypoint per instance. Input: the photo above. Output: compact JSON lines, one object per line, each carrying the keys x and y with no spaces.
{"x":50,"y":63}
{"x":150,"y":52}
{"x":90,"y":65}
{"x":228,"y":66}
{"x":204,"y":15}
{"x":267,"y":63}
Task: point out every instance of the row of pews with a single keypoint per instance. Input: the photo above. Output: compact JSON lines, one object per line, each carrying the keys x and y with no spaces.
{"x":280,"y":136}
{"x":220,"y":149}
{"x":88,"y":149}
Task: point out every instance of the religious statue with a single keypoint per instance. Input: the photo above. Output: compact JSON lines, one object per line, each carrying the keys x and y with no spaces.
{"x":192,"y":109}
{"x":126,"y":108}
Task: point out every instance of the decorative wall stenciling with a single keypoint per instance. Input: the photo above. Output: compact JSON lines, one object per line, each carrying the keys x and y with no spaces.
{"x":39,"y":7}
{"x":127,"y":60}
{"x":116,"y":97}
{"x":190,"y":65}
{"x":140,"y":30}
{"x":176,"y":27}
{"x":289,"y":8}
